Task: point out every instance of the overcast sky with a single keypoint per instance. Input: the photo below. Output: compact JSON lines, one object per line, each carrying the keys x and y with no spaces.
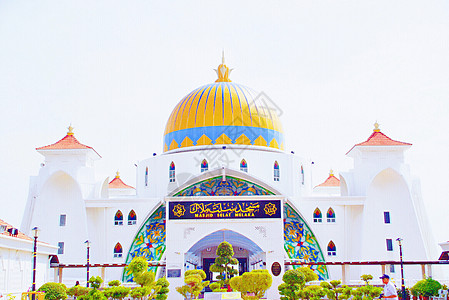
{"x":116,"y":69}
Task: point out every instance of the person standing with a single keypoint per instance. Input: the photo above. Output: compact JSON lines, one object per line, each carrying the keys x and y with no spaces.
{"x":390,"y":292}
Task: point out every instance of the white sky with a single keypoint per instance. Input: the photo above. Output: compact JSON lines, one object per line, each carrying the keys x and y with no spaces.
{"x":116,"y":69}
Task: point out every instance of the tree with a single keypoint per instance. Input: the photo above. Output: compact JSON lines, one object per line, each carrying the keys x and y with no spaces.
{"x":114,"y":283}
{"x":194,"y":284}
{"x":163,"y":291}
{"x":334,"y":291}
{"x":294,"y":280}
{"x":309,"y":274}
{"x":312,"y":292}
{"x":139,"y":268}
{"x":54,"y":291}
{"x":224,"y":261}
{"x":117,"y":292}
{"x":94,"y":293}
{"x":77,"y":291}
{"x":427,"y":287}
{"x":140,"y":292}
{"x":366,"y":292}
{"x":256,"y":282}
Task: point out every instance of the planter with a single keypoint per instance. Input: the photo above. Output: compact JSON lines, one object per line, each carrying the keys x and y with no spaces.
{"x":222,"y":296}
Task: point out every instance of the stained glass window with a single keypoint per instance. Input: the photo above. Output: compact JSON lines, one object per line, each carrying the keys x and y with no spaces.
{"x":132,"y":217}
{"x":118,"y":250}
{"x":172,"y":172}
{"x":118,"y":219}
{"x":243,"y":166}
{"x":317,"y":216}
{"x":276,"y":171}
{"x":331,"y":249}
{"x":330,"y":215}
{"x":146,"y":176}
{"x":204,"y":166}
{"x":302,"y":175}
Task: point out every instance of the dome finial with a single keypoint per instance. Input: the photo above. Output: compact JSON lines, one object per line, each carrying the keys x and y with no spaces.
{"x":223,"y":71}
{"x":117,"y":174}
{"x":331,"y":172}
{"x":70,"y":128}
{"x":376,"y":127}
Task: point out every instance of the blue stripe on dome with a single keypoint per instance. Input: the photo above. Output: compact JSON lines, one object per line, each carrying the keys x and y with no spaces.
{"x":233,"y":132}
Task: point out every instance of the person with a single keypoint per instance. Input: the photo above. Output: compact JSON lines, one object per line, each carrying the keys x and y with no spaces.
{"x":77,"y":283}
{"x":390,"y":292}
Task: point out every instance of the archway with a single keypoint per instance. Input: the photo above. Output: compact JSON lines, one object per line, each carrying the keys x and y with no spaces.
{"x":203,"y":253}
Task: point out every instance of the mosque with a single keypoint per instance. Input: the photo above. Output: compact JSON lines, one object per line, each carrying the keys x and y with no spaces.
{"x":224,"y":175}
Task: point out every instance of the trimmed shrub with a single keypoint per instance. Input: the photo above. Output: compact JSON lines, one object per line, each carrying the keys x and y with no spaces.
{"x":54,"y":291}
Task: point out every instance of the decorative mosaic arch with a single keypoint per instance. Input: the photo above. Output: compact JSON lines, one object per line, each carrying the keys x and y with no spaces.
{"x":300,"y":242}
{"x":149,"y":241}
{"x":215,"y":186}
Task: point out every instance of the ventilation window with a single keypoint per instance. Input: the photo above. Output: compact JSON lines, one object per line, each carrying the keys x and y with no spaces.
{"x":62,"y":220}
{"x":118,"y":250}
{"x":330,"y":215}
{"x":118,"y":219}
{"x":392,"y":269}
{"x":302,"y":175}
{"x":204,"y":166}
{"x":61,"y":248}
{"x":276,"y":172}
{"x":243,"y":166}
{"x":317,"y":216}
{"x":389,"y":245}
{"x":172,"y":172}
{"x":387,"y":217}
{"x":331,"y":249}
{"x":146,"y":176}
{"x":132,"y":218}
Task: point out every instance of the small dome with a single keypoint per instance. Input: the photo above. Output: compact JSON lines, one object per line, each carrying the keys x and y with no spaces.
{"x":223,"y":113}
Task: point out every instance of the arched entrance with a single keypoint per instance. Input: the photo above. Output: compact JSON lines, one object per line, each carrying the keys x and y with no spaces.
{"x":202,"y":254}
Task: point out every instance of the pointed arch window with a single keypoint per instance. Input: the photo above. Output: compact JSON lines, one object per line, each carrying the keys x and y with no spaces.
{"x":243,"y":166}
{"x":317,"y":216}
{"x":331,"y":249}
{"x":172,"y":172}
{"x":330,"y":215}
{"x":118,"y":250}
{"x":204,"y":166}
{"x":132,"y":217}
{"x":146,"y":176}
{"x":118,"y":219}
{"x":302,"y":175}
{"x":276,"y":173}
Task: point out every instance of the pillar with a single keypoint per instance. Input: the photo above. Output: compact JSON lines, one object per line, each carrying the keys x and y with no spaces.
{"x":343,"y":274}
{"x":423,"y":271}
{"x":102,"y":273}
{"x":429,"y":270}
{"x":60,"y":275}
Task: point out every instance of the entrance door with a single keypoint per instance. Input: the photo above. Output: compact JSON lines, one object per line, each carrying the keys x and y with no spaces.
{"x":207,"y":262}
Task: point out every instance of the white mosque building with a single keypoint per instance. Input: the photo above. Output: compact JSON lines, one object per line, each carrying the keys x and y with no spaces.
{"x":224,"y":175}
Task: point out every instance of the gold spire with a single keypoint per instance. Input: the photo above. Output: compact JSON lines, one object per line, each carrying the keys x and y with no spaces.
{"x":117,"y":174}
{"x":331,"y":172}
{"x":223,"y":71}
{"x":376,"y":127}
{"x":70,"y":128}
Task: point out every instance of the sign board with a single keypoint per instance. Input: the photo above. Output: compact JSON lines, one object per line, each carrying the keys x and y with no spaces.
{"x":194,"y":210}
{"x":276,"y":269}
{"x":174,"y":273}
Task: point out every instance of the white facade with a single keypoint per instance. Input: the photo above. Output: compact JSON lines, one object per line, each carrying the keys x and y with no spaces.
{"x":379,"y":185}
{"x":16,"y":264}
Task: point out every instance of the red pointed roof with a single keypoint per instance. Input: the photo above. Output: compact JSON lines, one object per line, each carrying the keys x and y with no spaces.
{"x":67,"y":142}
{"x":117,"y":183}
{"x":331,"y":181}
{"x":377,"y":138}
{"x":20,"y":235}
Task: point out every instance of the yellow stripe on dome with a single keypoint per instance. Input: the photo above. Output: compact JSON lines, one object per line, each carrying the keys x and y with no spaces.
{"x":209,"y":112}
{"x":244,"y":108}
{"x":218,"y":107}
{"x":237,"y":110}
{"x":229,"y":116}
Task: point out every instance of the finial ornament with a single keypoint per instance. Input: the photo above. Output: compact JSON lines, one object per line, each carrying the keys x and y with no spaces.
{"x":223,"y":71}
{"x":331,"y":172}
{"x":117,"y":174}
{"x":70,"y":128}
{"x":376,"y":127}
